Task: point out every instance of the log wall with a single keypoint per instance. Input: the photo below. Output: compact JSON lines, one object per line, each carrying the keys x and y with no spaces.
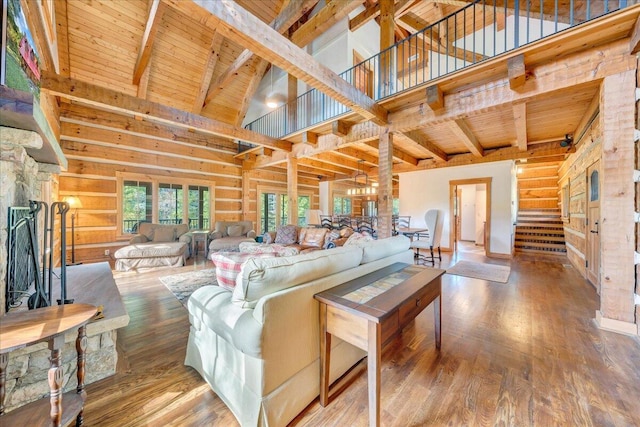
{"x":573,"y":172}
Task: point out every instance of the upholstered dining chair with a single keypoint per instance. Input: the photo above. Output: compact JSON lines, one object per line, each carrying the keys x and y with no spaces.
{"x":433,"y":221}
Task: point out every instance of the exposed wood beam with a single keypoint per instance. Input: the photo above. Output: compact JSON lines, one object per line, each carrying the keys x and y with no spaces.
{"x":244,"y":28}
{"x":634,"y":43}
{"x":112,"y":100}
{"x":289,"y":15}
{"x":309,"y":138}
{"x":422,"y":141}
{"x":143,"y":85}
{"x":205,"y":81}
{"x":340,"y":128}
{"x":464,"y":134}
{"x":541,"y":151}
{"x":338,"y":161}
{"x":587,"y":69}
{"x":153,"y":23}
{"x":592,"y":111}
{"x":387,"y":24}
{"x":357,"y":154}
{"x":260,"y":66}
{"x":435,"y":97}
{"x":520,"y":121}
{"x":372,"y":11}
{"x":516,"y":71}
{"x":332,"y":13}
{"x":62,"y":37}
{"x":324,"y":166}
{"x":397,"y":154}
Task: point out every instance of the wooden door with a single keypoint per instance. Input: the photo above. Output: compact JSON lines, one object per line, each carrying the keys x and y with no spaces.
{"x":593,"y":225}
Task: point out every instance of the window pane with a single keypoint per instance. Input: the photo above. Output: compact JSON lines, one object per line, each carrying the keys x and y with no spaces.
{"x":136,"y":205}
{"x":346,"y":206}
{"x":268,"y":212}
{"x":304,"y":204}
{"x":395,"y":208}
{"x":337,"y":205}
{"x":170,"y":203}
{"x":199,"y":207}
{"x":284,"y":209}
{"x":595,"y":190}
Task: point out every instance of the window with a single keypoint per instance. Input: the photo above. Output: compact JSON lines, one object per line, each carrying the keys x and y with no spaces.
{"x":170,"y":203}
{"x":341,"y":205}
{"x":136,"y":205}
{"x":199,"y":207}
{"x":146,"y":198}
{"x":594,"y":187}
{"x":395,"y":207}
{"x":274,"y":210}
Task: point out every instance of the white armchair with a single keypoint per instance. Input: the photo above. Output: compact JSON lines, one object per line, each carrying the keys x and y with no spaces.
{"x":433,"y":222}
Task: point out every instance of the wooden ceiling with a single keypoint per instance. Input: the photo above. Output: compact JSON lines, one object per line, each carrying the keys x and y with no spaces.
{"x":177,"y":63}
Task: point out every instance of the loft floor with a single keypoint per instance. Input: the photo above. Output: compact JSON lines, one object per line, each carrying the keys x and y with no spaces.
{"x":522,"y":353}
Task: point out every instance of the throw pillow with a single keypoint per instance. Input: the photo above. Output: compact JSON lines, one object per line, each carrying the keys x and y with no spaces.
{"x":234,"y":230}
{"x":164,"y":234}
{"x":228,"y":265}
{"x":358,"y":239}
{"x":287,"y":235}
{"x":267,"y":238}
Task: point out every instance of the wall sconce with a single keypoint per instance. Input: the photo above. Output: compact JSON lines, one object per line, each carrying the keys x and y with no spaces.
{"x":567,"y":141}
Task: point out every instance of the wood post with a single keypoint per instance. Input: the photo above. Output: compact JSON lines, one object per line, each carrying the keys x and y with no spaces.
{"x":617,"y":111}
{"x":292,"y":188}
{"x":385,"y":189}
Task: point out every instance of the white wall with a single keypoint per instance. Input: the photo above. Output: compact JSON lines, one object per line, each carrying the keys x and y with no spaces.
{"x":468,"y":212}
{"x":325,"y":192}
{"x":481,"y":212}
{"x":429,"y":189}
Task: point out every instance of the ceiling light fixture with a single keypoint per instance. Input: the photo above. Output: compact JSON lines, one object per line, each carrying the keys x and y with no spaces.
{"x":361,"y":186}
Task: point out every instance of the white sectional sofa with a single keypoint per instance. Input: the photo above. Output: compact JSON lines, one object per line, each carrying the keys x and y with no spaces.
{"x":258,"y":345}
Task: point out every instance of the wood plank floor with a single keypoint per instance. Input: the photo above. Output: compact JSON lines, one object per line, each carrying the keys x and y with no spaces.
{"x":523,"y":353}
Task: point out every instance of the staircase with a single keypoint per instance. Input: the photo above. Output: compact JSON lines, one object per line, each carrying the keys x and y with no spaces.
{"x":539,"y":226}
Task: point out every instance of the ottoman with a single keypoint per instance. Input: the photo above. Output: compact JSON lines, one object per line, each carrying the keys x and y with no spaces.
{"x":141,"y":256}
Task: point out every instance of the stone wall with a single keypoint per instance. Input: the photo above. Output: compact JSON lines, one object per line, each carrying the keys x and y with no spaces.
{"x":21,"y":179}
{"x":28,"y":367}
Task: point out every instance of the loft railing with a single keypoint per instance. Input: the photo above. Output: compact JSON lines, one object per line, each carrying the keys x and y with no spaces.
{"x":479,"y":31}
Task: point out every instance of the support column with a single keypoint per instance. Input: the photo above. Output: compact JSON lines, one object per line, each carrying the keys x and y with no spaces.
{"x":292,"y":97}
{"x":292,"y":188}
{"x":246,"y":196}
{"x":617,"y":236}
{"x":385,"y":188}
{"x":387,"y":39}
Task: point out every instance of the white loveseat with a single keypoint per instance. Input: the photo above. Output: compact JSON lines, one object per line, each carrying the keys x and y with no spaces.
{"x":258,"y":345}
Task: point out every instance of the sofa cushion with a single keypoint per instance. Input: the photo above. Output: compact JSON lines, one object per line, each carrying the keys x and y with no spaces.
{"x":314,"y":237}
{"x":259,"y":277}
{"x":381,"y":248}
{"x":228,"y":266}
{"x":235,"y":230}
{"x":273,"y":248}
{"x":287,"y":235}
{"x":164,"y":234}
{"x":152,"y":250}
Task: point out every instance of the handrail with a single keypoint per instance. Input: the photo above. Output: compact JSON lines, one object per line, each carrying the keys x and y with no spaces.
{"x":436,"y":51}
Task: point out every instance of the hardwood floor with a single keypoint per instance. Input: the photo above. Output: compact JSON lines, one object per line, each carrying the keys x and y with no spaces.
{"x":523,"y":353}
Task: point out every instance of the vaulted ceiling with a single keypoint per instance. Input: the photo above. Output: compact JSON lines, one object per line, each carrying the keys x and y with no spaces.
{"x":180,"y":63}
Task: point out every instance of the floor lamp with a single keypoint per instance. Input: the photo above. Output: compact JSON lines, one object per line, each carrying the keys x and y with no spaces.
{"x":74,"y":203}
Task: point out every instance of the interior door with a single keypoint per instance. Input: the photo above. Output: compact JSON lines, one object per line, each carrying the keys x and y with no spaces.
{"x":593,"y":224}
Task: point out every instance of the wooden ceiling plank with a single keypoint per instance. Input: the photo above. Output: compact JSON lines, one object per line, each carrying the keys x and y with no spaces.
{"x":432,"y":148}
{"x":289,"y":15}
{"x":592,"y":110}
{"x":397,"y":154}
{"x":260,"y":66}
{"x":520,"y":121}
{"x":112,"y":100}
{"x":153,"y":23}
{"x":357,"y":154}
{"x":462,"y":131}
{"x":212,"y":60}
{"x":244,"y":28}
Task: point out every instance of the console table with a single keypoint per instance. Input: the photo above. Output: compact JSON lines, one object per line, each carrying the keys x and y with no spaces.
{"x":49,"y":324}
{"x":370,"y":310}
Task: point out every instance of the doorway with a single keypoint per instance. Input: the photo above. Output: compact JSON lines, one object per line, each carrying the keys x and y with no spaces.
{"x":593,"y":225}
{"x":470,"y":208}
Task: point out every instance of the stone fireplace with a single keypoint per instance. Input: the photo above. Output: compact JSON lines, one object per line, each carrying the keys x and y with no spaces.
{"x":22,"y":178}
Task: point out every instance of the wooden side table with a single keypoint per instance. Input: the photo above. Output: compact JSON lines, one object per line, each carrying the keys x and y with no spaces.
{"x":49,"y":324}
{"x":199,"y":236}
{"x":370,"y":310}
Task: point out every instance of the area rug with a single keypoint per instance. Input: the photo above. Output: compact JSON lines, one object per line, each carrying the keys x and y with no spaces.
{"x":182,"y":285}
{"x":478,"y":270}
